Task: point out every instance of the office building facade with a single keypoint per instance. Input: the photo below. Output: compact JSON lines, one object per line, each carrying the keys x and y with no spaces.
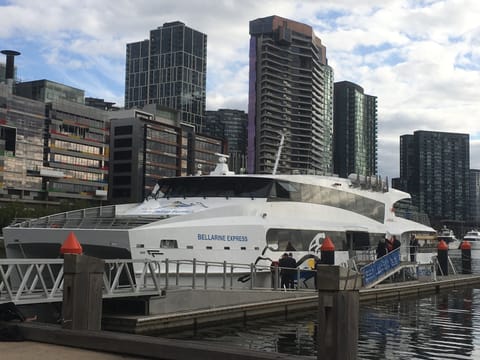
{"x":290,"y":93}
{"x":149,"y":144}
{"x":232,"y":126}
{"x":169,"y":69}
{"x":355,"y":130}
{"x":52,"y":151}
{"x":435,"y":170}
{"x":22,"y":123}
{"x":48,"y":91}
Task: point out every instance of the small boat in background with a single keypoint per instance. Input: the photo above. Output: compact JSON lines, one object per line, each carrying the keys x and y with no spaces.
{"x":449,"y":237}
{"x":473,"y":237}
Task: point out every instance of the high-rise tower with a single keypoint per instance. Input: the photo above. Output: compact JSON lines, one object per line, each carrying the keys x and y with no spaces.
{"x":169,"y":69}
{"x":355,"y":130}
{"x":290,"y":93}
{"x":434,"y":169}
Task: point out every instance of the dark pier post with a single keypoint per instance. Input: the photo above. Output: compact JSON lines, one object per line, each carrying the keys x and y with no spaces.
{"x":442,"y":256}
{"x":338,"y":313}
{"x":82,"y":288}
{"x":466,"y":248}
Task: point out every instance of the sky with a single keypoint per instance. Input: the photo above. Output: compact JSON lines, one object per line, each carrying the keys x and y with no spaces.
{"x":420,"y":58}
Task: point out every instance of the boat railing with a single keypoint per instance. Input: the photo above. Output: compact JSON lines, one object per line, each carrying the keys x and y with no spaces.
{"x":102,"y":217}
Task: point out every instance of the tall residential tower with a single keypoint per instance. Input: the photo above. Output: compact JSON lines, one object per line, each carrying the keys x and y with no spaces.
{"x":435,"y":170}
{"x":355,"y":130}
{"x":169,"y":69}
{"x":290,"y":93}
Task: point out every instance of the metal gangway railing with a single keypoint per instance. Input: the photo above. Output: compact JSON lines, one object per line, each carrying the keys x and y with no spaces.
{"x":28,"y":281}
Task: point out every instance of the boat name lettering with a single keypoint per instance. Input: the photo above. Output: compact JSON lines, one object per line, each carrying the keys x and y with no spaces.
{"x":222,"y":237}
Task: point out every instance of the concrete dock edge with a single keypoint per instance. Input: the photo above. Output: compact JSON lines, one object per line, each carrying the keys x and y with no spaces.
{"x":140,"y":345}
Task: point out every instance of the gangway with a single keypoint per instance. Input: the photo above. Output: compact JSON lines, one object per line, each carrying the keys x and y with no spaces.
{"x":34,"y":281}
{"x":382,"y":268}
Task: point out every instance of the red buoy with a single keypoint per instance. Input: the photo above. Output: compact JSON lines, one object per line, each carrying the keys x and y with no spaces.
{"x":465,"y":245}
{"x":71,"y":245}
{"x":327,"y":245}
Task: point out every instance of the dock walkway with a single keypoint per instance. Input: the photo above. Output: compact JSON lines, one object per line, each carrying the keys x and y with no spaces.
{"x":52,"y":342}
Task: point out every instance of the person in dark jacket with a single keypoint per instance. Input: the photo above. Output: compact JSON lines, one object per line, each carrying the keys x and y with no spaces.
{"x":396,"y":242}
{"x":413,"y":248}
{"x":292,"y":264}
{"x":381,"y":248}
{"x":283,"y":263}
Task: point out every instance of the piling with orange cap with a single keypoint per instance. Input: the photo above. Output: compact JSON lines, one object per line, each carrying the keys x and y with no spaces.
{"x":327,"y":252}
{"x":442,"y":257}
{"x":71,"y":245}
{"x":466,"y":248}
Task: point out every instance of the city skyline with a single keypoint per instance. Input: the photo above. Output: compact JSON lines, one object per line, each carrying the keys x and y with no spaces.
{"x":419,"y":58}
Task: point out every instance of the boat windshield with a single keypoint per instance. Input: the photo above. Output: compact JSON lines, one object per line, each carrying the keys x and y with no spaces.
{"x":215,"y":186}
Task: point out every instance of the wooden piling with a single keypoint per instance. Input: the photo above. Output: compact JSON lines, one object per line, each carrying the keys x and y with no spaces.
{"x":338,"y":314}
{"x":82,"y":292}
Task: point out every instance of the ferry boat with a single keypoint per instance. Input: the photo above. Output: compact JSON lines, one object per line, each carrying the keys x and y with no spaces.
{"x":243,"y":219}
{"x":473,"y":237}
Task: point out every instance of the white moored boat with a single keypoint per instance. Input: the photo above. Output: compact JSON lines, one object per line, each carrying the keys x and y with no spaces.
{"x":449,"y":237}
{"x":473,"y":237}
{"x":243,"y":219}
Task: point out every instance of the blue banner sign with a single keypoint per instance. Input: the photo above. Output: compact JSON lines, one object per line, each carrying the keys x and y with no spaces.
{"x":380,"y":267}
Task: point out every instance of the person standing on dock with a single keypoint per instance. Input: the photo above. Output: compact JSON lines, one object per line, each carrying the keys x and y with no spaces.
{"x":283,"y":263}
{"x":413,"y":248}
{"x":395,"y":242}
{"x":381,"y":248}
{"x":292,"y":264}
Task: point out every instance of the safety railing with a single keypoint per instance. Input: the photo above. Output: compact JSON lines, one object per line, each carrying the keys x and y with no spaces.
{"x":26,"y":281}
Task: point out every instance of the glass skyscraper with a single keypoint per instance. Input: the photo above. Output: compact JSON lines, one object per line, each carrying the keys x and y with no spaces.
{"x":435,"y":170}
{"x":169,"y":69}
{"x":290,"y":93}
{"x":230,"y":125}
{"x":355,"y":130}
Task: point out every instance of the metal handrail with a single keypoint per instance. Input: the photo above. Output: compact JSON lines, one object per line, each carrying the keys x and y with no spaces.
{"x":26,"y":281}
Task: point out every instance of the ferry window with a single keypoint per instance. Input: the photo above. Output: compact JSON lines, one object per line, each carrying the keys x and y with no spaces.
{"x":303,"y":240}
{"x":243,"y":248}
{"x":359,"y":240}
{"x":226,"y":248}
{"x":168,"y":244}
{"x":189,"y":246}
{"x":282,"y":190}
{"x":340,"y":199}
{"x":215,"y":186}
{"x":209,"y":248}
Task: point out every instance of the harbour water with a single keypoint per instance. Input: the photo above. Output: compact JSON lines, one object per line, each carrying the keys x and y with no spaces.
{"x":440,"y":326}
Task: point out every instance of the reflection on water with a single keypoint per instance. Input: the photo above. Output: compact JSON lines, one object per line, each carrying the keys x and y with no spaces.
{"x":441,"y":326}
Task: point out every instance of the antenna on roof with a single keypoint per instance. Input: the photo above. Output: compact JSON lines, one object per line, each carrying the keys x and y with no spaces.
{"x":279,"y":152}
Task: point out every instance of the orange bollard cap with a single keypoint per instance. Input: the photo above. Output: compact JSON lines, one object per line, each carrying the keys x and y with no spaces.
{"x":442,"y":245}
{"x":327,"y":245}
{"x":71,"y":245}
{"x":465,"y":245}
